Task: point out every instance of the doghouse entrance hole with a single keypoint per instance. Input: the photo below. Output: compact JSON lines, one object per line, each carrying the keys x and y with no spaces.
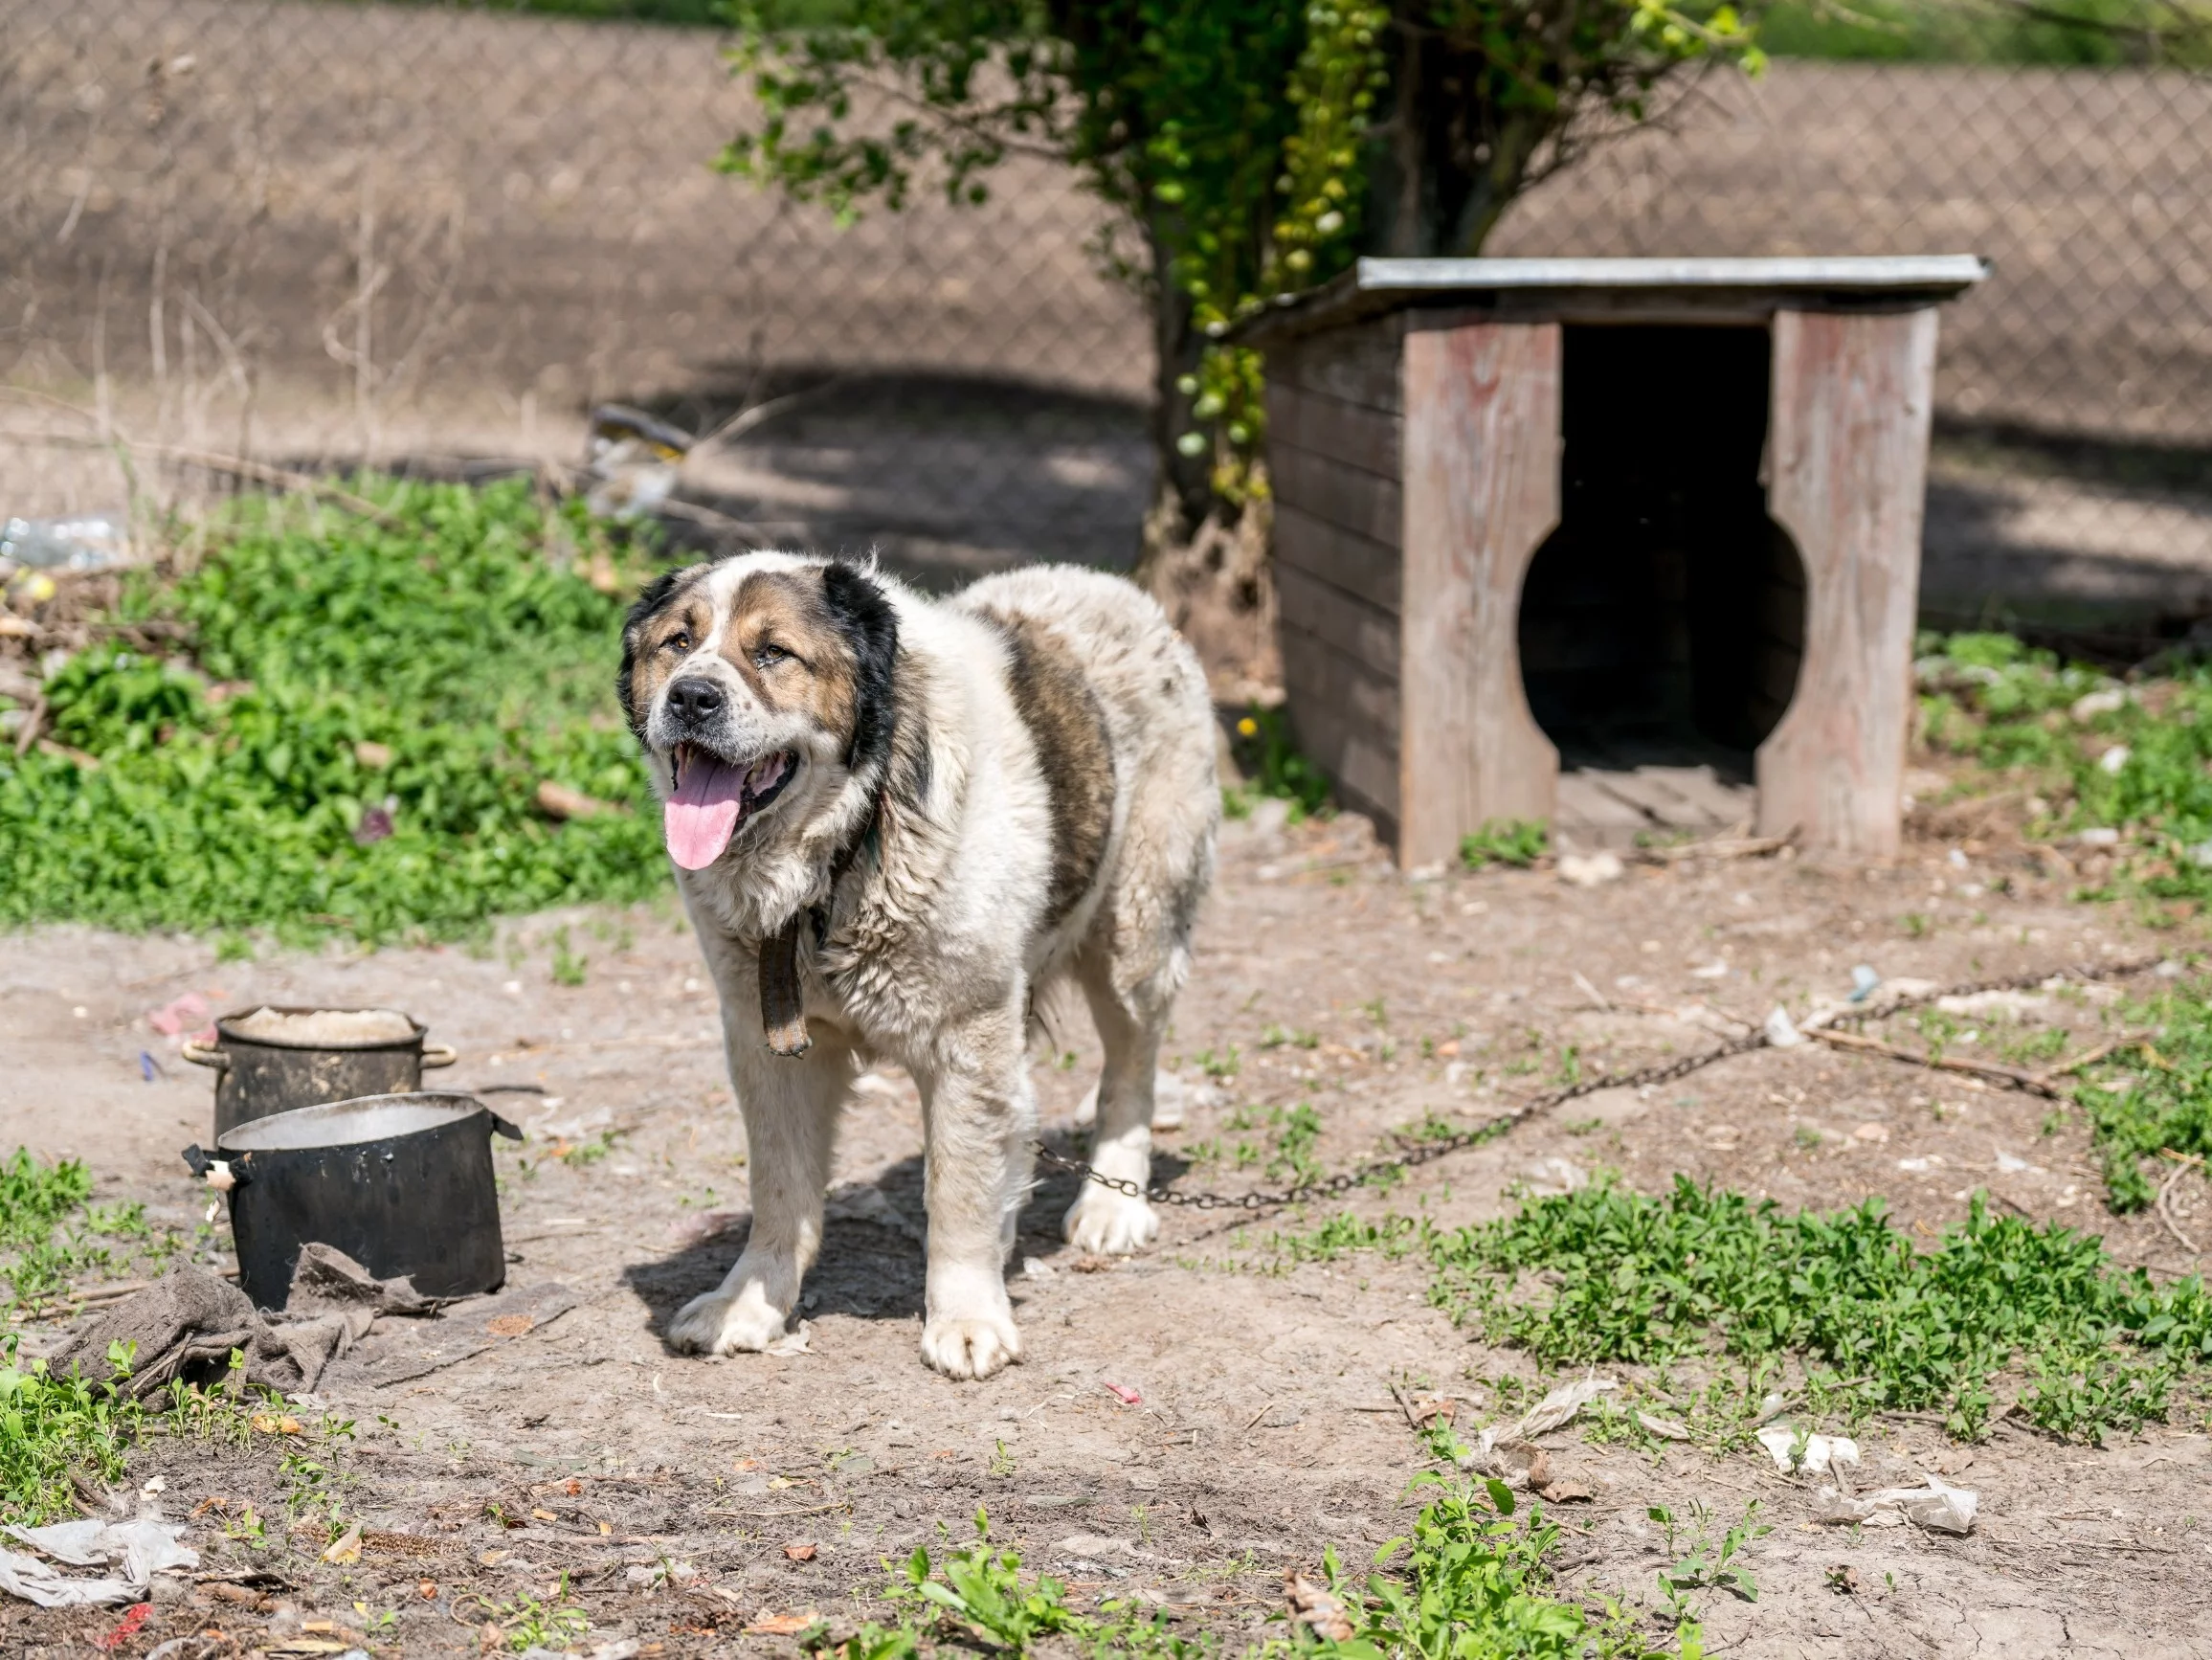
{"x":1662,"y":622}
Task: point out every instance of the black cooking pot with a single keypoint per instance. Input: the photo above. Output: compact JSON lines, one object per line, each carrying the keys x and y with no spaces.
{"x":402,"y":1183}
{"x":266,"y":1066}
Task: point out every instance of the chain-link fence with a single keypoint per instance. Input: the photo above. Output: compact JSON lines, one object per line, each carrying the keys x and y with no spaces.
{"x":296,"y":235}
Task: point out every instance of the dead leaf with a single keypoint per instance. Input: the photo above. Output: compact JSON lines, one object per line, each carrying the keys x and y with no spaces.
{"x":768,"y":1624}
{"x":1540,"y":1470}
{"x":493,"y":1558}
{"x":1844,"y":1578}
{"x":426,"y":1589}
{"x":1871,"y":1132}
{"x":1565,"y":1491}
{"x":216,"y":1501}
{"x":1316,"y":1606}
{"x":271,"y":1424}
{"x":558,"y":801}
{"x":802,"y":1551}
{"x":1092,"y":1264}
{"x":509,"y":1325}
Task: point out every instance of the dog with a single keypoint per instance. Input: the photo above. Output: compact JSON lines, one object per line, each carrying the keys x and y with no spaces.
{"x":897,"y":823}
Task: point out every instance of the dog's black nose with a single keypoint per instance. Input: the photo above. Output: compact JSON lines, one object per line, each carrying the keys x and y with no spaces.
{"x":695,"y":701}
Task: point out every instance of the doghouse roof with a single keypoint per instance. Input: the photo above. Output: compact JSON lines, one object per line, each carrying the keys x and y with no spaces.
{"x":1627,"y":290}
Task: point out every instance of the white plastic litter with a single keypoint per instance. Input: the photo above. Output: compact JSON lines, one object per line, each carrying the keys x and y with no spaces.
{"x":1864,"y":981}
{"x":2090,"y":704}
{"x":142,"y":1548}
{"x":1553,"y":1174}
{"x":2114,"y":760}
{"x":1557,"y":1409}
{"x":1814,"y":1454}
{"x":1506,"y":1451}
{"x":1782,"y":1031}
{"x":1938,"y":1507}
{"x":1589,"y":870}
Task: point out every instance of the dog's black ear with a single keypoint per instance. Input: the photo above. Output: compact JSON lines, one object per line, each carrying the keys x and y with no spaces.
{"x":655,"y":595}
{"x":864,"y":616}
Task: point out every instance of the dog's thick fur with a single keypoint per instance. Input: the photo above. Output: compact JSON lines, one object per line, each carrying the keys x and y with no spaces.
{"x":989,"y":794}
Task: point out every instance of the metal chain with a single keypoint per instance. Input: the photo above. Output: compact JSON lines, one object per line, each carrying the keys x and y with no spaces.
{"x":1417,"y":1153}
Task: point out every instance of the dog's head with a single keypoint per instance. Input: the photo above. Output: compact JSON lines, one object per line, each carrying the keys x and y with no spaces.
{"x":763,"y":686}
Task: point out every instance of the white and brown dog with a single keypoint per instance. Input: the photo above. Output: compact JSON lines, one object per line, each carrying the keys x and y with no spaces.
{"x":896,"y":821}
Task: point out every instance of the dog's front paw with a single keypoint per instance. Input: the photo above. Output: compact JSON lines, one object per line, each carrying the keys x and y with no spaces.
{"x":1107,"y":1223}
{"x":721,"y":1323}
{"x":971,"y":1348}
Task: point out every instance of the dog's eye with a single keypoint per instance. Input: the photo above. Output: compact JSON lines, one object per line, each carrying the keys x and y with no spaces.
{"x":677,"y":642}
{"x":766,"y":656}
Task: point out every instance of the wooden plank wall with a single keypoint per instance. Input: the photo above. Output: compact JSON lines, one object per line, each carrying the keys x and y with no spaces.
{"x":1482,"y":489}
{"x":1852,"y":396}
{"x":1334,"y":443}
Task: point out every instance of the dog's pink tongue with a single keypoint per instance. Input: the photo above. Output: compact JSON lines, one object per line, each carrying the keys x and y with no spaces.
{"x":700,"y":819}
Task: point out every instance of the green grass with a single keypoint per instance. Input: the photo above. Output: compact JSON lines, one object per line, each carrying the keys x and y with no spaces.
{"x":1516,"y":842}
{"x":49,"y":1234}
{"x":338,"y":676}
{"x":2104,"y":34}
{"x":50,"y":1427}
{"x":2151,"y":1098}
{"x":1879,"y":1324}
{"x":2143,"y":769}
{"x":1273,"y":768}
{"x":1471,"y":1579}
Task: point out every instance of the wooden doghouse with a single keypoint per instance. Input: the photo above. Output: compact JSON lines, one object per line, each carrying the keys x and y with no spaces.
{"x":1715,"y":468}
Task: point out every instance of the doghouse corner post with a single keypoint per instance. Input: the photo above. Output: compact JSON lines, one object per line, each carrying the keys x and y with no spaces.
{"x":1481,"y":491}
{"x":1848,"y":445}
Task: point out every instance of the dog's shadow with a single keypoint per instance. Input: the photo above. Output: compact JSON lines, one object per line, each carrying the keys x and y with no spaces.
{"x":871,"y":1262}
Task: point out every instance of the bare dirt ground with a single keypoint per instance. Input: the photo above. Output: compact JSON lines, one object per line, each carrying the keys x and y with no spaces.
{"x":667,"y":1488}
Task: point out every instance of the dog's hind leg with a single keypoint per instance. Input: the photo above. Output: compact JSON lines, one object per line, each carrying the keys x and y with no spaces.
{"x":1131,"y":1020}
{"x":791,"y":1114}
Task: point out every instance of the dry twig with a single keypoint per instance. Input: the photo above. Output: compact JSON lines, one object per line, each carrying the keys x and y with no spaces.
{"x":2184,"y":1163}
{"x":2011,"y":1077}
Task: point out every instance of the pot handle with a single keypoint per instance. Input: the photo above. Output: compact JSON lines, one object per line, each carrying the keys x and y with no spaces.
{"x":502,"y":1127}
{"x":220,"y":1174}
{"x":435,"y":1055}
{"x":200,"y":1056}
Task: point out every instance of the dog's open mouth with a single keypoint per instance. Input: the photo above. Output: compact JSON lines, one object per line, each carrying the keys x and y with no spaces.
{"x":711,"y":798}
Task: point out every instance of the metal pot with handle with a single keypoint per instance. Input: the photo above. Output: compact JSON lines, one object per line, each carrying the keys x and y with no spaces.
{"x":271,"y":1059}
{"x":402,"y":1183}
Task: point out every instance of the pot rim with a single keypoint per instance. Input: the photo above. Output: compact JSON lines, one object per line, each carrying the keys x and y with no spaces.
{"x":226,"y":1037}
{"x":439,"y":1110}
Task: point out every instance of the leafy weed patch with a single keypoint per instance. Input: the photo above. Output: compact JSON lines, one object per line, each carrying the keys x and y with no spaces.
{"x":1469,"y":1579}
{"x":1883,"y":1326}
{"x":354,"y":738}
{"x":2096,"y":754}
{"x":49,"y":1234}
{"x":2155,"y":1097}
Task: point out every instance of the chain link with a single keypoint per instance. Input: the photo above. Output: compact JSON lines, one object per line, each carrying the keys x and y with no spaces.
{"x":1417,"y":1151}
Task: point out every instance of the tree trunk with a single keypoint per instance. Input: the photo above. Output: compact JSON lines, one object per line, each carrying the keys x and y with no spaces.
{"x":1204,"y":559}
{"x":1450,"y":162}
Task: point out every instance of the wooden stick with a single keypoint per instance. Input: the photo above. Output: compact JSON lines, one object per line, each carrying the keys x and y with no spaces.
{"x":2009,"y":1076}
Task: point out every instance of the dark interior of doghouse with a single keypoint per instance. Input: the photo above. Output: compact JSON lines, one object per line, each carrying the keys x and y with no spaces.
{"x":1662,"y":621}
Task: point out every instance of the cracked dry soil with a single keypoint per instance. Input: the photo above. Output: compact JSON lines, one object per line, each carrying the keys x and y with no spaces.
{"x":1265,"y":1427}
